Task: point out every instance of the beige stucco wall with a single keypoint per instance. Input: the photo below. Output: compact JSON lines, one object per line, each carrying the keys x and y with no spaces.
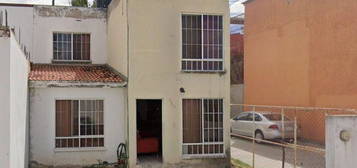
{"x":236,"y":98}
{"x":117,"y":36}
{"x":154,"y":67}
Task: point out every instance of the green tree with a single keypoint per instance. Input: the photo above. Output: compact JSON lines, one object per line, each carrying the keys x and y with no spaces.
{"x":94,"y":5}
{"x":80,"y":3}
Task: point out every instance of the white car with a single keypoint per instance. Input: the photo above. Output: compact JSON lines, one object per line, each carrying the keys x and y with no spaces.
{"x":267,"y":125}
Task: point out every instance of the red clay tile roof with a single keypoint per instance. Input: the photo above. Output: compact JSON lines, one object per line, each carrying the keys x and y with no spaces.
{"x":78,"y":73}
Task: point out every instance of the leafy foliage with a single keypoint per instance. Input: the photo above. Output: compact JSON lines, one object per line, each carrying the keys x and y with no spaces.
{"x":95,"y":4}
{"x":80,"y":3}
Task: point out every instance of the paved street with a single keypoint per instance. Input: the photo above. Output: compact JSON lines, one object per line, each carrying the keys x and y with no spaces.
{"x":270,"y":156}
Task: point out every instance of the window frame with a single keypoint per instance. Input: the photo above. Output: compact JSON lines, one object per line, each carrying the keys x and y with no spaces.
{"x":202,"y":32}
{"x":79,"y":148}
{"x":240,"y":116}
{"x":203,"y":155}
{"x":72,"y":60}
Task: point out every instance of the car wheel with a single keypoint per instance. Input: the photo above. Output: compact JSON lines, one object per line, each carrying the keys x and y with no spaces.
{"x":259,"y":137}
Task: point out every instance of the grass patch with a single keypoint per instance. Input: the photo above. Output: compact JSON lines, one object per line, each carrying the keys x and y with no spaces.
{"x":239,"y":164}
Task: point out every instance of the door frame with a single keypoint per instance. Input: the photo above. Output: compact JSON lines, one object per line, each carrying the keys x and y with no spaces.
{"x":162,"y":123}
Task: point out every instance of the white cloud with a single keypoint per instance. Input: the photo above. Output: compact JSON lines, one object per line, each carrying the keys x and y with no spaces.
{"x":236,"y":7}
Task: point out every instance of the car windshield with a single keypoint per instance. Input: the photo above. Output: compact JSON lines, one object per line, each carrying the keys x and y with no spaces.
{"x":275,"y":117}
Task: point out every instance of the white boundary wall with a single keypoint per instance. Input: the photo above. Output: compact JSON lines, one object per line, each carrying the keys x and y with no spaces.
{"x":19,"y":69}
{"x":14,"y":103}
{"x":4,"y":101}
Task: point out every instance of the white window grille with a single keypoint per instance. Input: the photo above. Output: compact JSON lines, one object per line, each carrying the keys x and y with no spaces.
{"x":202,"y":127}
{"x":202,"y":43}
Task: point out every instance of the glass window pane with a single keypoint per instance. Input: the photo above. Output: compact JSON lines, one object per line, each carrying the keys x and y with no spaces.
{"x":62,"y":46}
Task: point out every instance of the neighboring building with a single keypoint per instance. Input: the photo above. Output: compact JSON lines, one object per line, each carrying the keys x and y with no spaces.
{"x":153,"y":75}
{"x":301,"y":53}
{"x":237,"y":24}
{"x":237,"y":66}
{"x":73,"y":93}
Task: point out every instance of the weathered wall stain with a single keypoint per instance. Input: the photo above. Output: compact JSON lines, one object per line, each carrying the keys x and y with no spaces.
{"x":72,"y":12}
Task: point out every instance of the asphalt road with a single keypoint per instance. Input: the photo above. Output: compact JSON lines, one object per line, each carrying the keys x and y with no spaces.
{"x":270,"y":156}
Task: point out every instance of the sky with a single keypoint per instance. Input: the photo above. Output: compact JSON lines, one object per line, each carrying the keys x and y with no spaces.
{"x":236,"y":5}
{"x":42,"y":2}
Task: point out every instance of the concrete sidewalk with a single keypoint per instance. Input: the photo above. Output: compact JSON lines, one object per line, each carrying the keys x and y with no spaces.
{"x":270,"y":156}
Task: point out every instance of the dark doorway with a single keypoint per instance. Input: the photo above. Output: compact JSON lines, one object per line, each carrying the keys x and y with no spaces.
{"x":149,"y":130}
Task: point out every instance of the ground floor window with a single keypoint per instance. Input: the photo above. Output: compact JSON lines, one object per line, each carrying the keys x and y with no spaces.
{"x":79,"y":123}
{"x":202,"y":127}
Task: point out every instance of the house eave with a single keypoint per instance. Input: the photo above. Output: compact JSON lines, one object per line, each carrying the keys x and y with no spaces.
{"x":75,"y":84}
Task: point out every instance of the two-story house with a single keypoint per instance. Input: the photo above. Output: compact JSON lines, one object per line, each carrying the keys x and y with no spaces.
{"x":153,"y":75}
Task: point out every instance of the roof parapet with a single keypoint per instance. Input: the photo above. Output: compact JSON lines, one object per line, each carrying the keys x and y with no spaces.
{"x":4,"y":31}
{"x":71,"y":11}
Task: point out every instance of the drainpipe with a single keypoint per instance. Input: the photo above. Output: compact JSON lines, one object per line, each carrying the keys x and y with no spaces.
{"x":53,"y":2}
{"x":5,"y":18}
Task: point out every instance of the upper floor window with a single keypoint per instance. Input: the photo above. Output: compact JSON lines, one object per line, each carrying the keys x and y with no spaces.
{"x":202,"y":43}
{"x":71,"y":47}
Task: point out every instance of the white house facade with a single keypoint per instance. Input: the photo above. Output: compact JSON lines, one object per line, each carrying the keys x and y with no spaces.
{"x":81,"y":81}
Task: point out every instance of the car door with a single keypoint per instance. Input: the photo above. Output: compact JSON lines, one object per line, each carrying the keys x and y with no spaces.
{"x":251,"y":124}
{"x":238,"y":124}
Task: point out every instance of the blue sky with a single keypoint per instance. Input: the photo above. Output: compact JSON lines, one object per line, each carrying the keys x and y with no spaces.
{"x":236,"y":5}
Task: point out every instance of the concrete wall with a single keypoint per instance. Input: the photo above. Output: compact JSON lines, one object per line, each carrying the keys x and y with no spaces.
{"x":154,"y":67}
{"x":49,"y":19}
{"x":20,"y":18}
{"x":237,"y":59}
{"x":42,"y":126}
{"x":341,"y":153}
{"x":236,"y":98}
{"x":13,"y":118}
{"x":19,"y":69}
{"x":118,"y":37}
{"x":301,"y":53}
{"x":5,"y":101}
